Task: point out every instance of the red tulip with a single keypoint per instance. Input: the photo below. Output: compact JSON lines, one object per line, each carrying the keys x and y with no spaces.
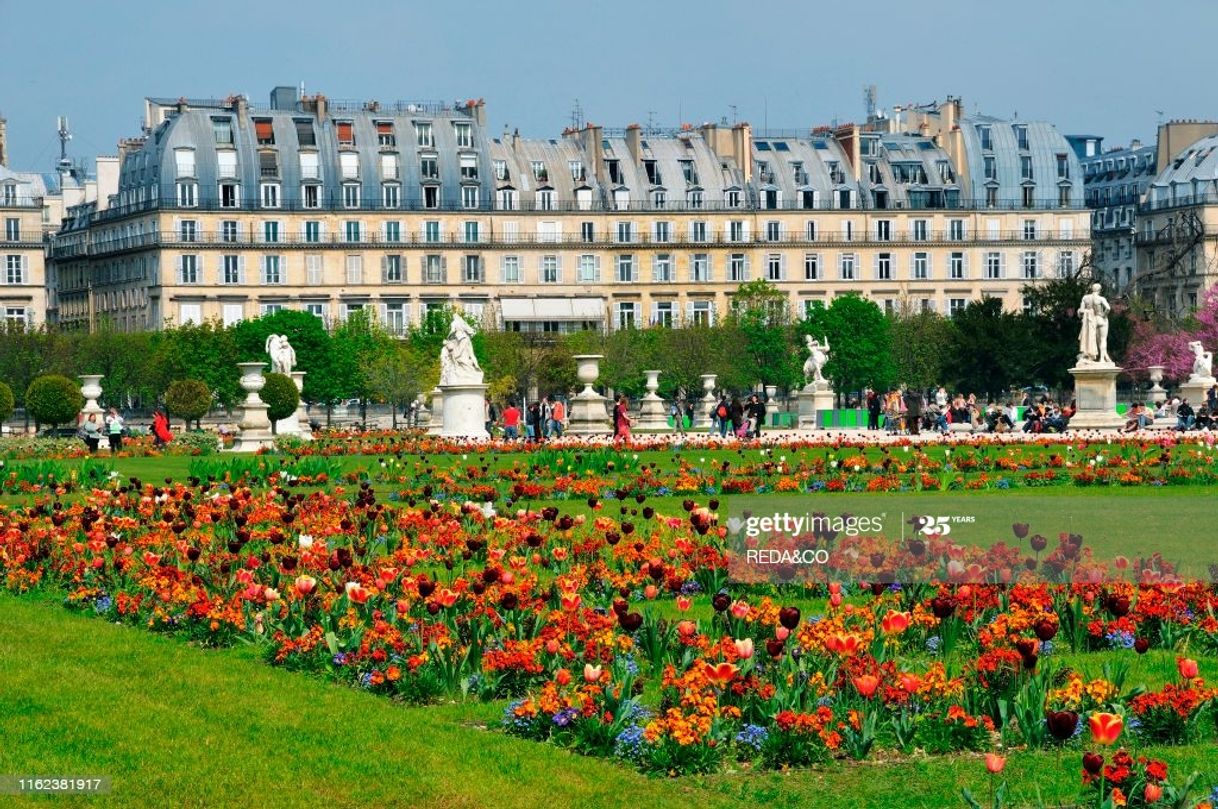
{"x":552,"y":646}
{"x":687,"y":629}
{"x":894,"y":623}
{"x":1152,"y":793}
{"x":910,"y":682}
{"x":1106,"y":727}
{"x":722,"y":673}
{"x":563,"y":677}
{"x":446,"y":597}
{"x":683,"y":603}
{"x":570,"y":601}
{"x":994,"y":763}
{"x":740,"y":609}
{"x":866,"y":684}
{"x":356,"y":593}
{"x":1187,"y":668}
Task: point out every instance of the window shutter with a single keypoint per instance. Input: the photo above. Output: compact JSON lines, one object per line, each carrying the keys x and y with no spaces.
{"x":745,"y":231}
{"x":241,"y":270}
{"x":747,"y":275}
{"x":283,"y":269}
{"x":782,"y":266}
{"x":444,"y":269}
{"x":596,"y":269}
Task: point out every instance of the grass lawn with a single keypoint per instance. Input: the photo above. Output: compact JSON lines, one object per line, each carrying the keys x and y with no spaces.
{"x":176,"y":725}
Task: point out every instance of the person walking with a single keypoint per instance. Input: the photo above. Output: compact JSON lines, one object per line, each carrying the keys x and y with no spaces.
{"x":874,"y":406}
{"x":736,"y":418}
{"x":722,"y":416}
{"x":161,"y":434}
{"x":114,"y":431}
{"x":621,"y":420}
{"x":511,"y":422}
{"x":756,"y":415}
{"x":558,"y":414}
{"x":536,"y":423}
{"x":913,"y":411}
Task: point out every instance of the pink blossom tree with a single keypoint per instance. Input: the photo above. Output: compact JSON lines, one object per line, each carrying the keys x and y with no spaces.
{"x":1150,"y":346}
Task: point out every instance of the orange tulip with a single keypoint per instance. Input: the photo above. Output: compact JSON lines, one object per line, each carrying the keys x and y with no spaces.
{"x":843,"y":644}
{"x":563,"y":677}
{"x":305,"y":585}
{"x":894,"y":623}
{"x":446,"y":597}
{"x":552,"y":646}
{"x":687,"y":629}
{"x":356,"y":593}
{"x":683,"y":603}
{"x":650,"y":592}
{"x":994,"y":763}
{"x":1152,"y":793}
{"x":1106,"y":727}
{"x":722,"y":673}
{"x":866,"y":684}
{"x":570,"y":601}
{"x":910,"y":682}
{"x":1187,"y":668}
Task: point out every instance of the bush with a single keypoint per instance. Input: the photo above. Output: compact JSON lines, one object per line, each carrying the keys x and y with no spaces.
{"x":281,"y":397}
{"x":53,"y":400}
{"x":6,"y":402}
{"x":188,"y":399}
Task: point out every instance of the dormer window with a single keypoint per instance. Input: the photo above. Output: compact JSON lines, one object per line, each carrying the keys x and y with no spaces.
{"x":689,"y":172}
{"x":464,"y":134}
{"x":264,"y":132}
{"x":986,"y":137}
{"x":304,"y":132}
{"x":384,"y":134}
{"x":346,"y":132}
{"x":501,"y":170}
{"x":423,"y":135}
{"x":539,"y":171}
{"x":222,"y":128}
{"x":577,"y":170}
{"x":469,"y":167}
{"x":653,"y":172}
{"x":268,"y":164}
{"x":614,"y":170}
{"x":1021,"y":136}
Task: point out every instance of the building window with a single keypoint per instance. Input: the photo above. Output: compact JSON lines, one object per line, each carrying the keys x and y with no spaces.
{"x":663,"y":313}
{"x":228,"y":231}
{"x":883,"y":230}
{"x":625,"y":270}
{"x":304,"y":132}
{"x":505,"y":199}
{"x":920,"y":233}
{"x":956,"y":266}
{"x":391,"y":195}
{"x":699,"y":267}
{"x":627,"y":314}
{"x":587,"y":232}
{"x":313,"y":270}
{"x":472,"y":270}
{"x":269,"y":308}
{"x":732,"y":198}
{"x":431,"y":197}
{"x":431,"y":231}
{"x":348,"y":163}
{"x":433,"y":269}
{"x":345,"y":131}
{"x":697,"y":231}
{"x":226,"y":164}
{"x":264,"y":131}
{"x":846,"y":266}
{"x":1065,"y":264}
{"x":270,"y":195}
{"x":1021,"y":136}
{"x":188,"y":230}
{"x":355,"y":270}
{"x":549,"y":270}
{"x":469,"y":167}
{"x":737,"y":267}
{"x":955,"y":306}
{"x":589,"y":269}
{"x":991,"y":197}
{"x":1025,"y":167}
{"x":384,"y":134}
{"x":392,"y":231}
{"x":1029,"y":196}
{"x":921,"y":266}
{"x":231,"y":270}
{"x":184,"y":162}
{"x":500,"y":169}
{"x":470,"y":232}
{"x":510,"y":269}
{"x":464,"y":135}
{"x":312,"y":231}
{"x":991,"y":168}
{"x":694,"y":199}
{"x":350,"y":195}
{"x":993,"y":266}
{"x":774,"y":267}
{"x":222,"y":128}
{"x":1029,"y":230}
{"x":625,"y":232}
{"x":883,"y":266}
{"x":14,"y":269}
{"x":1063,"y":167}
{"x":392,"y":269}
{"x":188,"y":194}
{"x":353,"y":231}
{"x":272,"y":272}
{"x":423,"y":135}
{"x":811,"y":267}
{"x":985,"y":136}
{"x":662,"y":232}
{"x":1063,"y":196}
{"x":310,"y":196}
{"x":701,"y":313}
{"x":773,"y":231}
{"x":955,"y":230}
{"x":317,"y":310}
{"x":735,"y":231}
{"x":270,"y":232}
{"x":545,"y":199}
{"x":661,"y":268}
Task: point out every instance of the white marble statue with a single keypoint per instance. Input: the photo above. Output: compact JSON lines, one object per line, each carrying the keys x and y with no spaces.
{"x":818,"y":355}
{"x":1093,"y":336}
{"x":458,"y":365}
{"x":283,"y":356}
{"x":1203,"y":362}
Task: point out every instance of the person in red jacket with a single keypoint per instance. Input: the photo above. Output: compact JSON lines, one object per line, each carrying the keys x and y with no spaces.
{"x":161,"y":434}
{"x":511,"y":421}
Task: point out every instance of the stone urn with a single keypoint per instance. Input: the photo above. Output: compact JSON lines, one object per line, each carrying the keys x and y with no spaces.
{"x":90,"y":388}
{"x":252,"y":380}
{"x":254,"y":429}
{"x":653,"y":416}
{"x":702,"y":417}
{"x":1158,"y":394}
{"x":587,"y":371}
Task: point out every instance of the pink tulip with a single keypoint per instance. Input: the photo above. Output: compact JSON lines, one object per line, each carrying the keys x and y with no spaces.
{"x":591,"y":673}
{"x":744,"y":648}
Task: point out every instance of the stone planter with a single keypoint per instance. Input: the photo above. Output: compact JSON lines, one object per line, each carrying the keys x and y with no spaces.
{"x":1157,"y":393}
{"x":653,"y":417}
{"x":254,"y":429}
{"x":588,"y":412}
{"x":90,"y":388}
{"x":702,"y":416}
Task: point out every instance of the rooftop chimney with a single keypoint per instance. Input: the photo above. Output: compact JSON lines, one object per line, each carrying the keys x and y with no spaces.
{"x":634,"y":142}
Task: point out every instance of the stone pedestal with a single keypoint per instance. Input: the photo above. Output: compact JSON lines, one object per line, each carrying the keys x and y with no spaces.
{"x":704,"y":410}
{"x":1095,"y":396}
{"x":91,"y":389}
{"x":296,"y":424}
{"x":1195,"y":390}
{"x":1156,"y":393}
{"x":464,"y":412}
{"x":653,"y":415}
{"x":435,"y":425}
{"x":588,"y":411}
{"x":813,"y":398}
{"x":254,"y":428}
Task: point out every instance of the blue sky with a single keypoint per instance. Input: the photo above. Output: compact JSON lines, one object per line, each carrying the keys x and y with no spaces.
{"x":1104,"y":68}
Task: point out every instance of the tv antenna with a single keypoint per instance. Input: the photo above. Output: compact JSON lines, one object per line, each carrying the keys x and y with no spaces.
{"x":577,"y":116}
{"x":65,"y":135}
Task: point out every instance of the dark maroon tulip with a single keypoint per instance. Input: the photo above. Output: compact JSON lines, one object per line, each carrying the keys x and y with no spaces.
{"x":1020,"y":529}
{"x":509,"y":601}
{"x":1045,"y":629}
{"x":1061,"y":724}
{"x":789,"y":617}
{"x":192,"y":554}
{"x":533,"y":540}
{"x":774,"y":647}
{"x":620,"y":606}
{"x":1038,"y":543}
{"x":1141,"y":646}
{"x":1118,"y":605}
{"x":612,"y":537}
{"x":630,"y":621}
{"x":943,"y":606}
{"x":721,"y":601}
{"x":426,"y":586}
{"x":1093,"y":763}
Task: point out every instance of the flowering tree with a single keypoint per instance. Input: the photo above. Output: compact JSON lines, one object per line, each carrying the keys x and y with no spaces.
{"x":1151,"y":346}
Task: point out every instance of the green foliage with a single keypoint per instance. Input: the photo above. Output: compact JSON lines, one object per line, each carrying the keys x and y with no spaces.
{"x":53,"y":399}
{"x":205,"y":351}
{"x":357,"y":345}
{"x":312,"y":343}
{"x":860,"y":342}
{"x":280,"y":395}
{"x":188,"y":399}
{"x":991,"y":350}
{"x":920,"y":341}
{"x":6,"y":402}
{"x":761,"y":313}
{"x":1053,"y":318}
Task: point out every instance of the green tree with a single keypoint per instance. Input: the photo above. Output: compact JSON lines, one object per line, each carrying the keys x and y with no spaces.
{"x":357,"y":345}
{"x":204,"y":351}
{"x":989,"y":350}
{"x":397,"y":376}
{"x":188,"y":399}
{"x":281,"y":397}
{"x":860,"y":342}
{"x":920,"y":341}
{"x":124,"y":358}
{"x":760,"y":313}
{"x":53,"y":399}
{"x":7,"y":402}
{"x":312,"y":343}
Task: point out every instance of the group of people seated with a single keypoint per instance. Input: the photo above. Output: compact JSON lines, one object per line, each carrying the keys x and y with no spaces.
{"x":907,"y":412}
{"x":1177,"y":409}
